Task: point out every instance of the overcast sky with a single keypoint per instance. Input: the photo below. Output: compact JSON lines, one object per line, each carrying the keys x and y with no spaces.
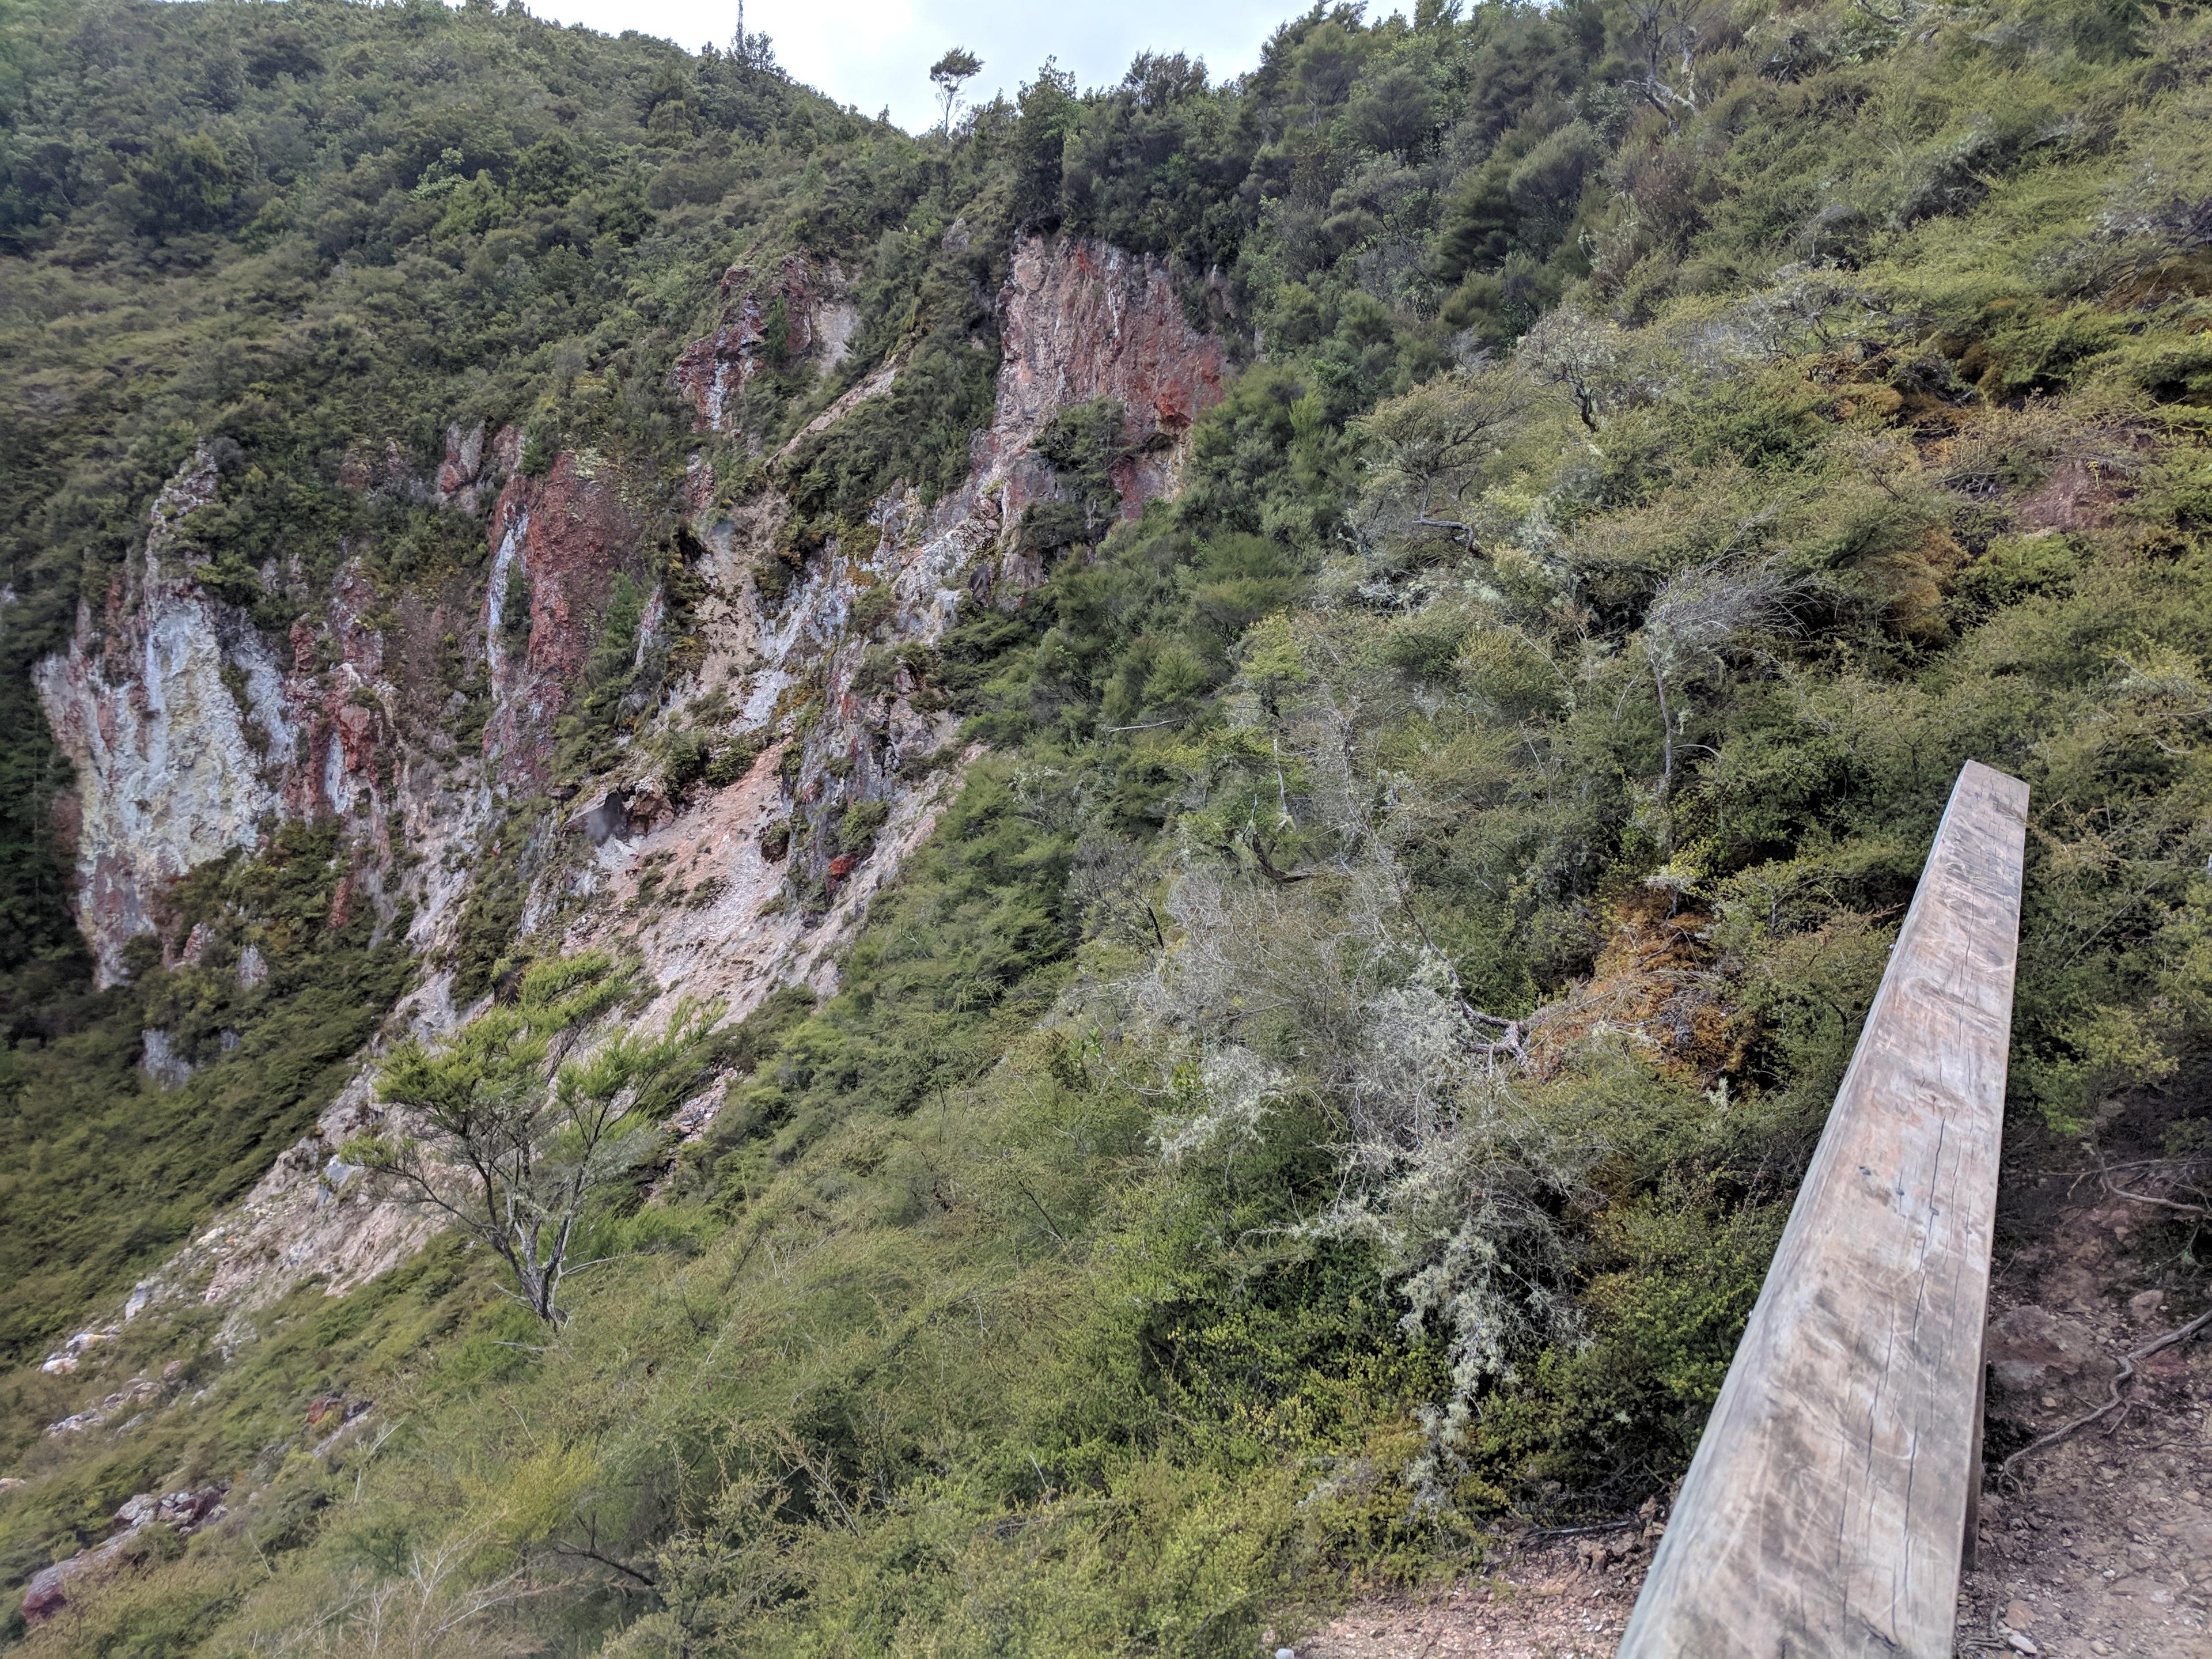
{"x":870,"y":53}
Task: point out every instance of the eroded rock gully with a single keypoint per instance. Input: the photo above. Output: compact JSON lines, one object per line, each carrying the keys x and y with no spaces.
{"x":191,"y":732}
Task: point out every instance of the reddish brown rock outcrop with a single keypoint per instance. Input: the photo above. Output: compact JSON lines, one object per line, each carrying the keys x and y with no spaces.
{"x":568,"y":536}
{"x":371,"y":711}
{"x":1083,"y":320}
{"x":473,"y":470}
{"x":184,"y":1512}
{"x":714,"y":368}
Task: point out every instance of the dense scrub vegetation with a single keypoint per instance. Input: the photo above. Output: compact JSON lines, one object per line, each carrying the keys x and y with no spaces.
{"x":1335,"y":1075}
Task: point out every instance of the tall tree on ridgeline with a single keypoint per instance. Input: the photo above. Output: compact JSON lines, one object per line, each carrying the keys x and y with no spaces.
{"x":948,"y":73}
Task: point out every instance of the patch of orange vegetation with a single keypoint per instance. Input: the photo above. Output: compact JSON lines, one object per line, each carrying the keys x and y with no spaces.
{"x":1914,"y":578}
{"x":1653,"y":980}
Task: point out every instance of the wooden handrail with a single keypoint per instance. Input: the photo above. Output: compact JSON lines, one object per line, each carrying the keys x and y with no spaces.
{"x":1827,"y":1508}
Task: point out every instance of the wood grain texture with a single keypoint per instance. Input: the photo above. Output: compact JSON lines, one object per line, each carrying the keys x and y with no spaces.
{"x":1825,"y":1511}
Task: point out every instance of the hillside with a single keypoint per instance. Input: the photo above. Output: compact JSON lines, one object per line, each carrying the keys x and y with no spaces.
{"x":1172,"y":811}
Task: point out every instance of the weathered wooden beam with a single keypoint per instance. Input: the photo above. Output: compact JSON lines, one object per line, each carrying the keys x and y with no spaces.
{"x":1825,"y":1511}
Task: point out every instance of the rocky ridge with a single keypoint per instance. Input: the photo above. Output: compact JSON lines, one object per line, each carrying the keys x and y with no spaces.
{"x":179,"y":1513}
{"x":190,"y":735}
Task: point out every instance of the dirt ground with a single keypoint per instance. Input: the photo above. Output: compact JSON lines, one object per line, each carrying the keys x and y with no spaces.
{"x":2102,"y":1544}
{"x":2098,"y":1547}
{"x":1559,"y":1598}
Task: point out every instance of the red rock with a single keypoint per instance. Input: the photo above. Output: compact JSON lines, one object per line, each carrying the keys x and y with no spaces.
{"x":44,"y":1596}
{"x":2029,"y":1345}
{"x":186,"y":1511}
{"x":1083,"y":320}
{"x":570,"y":536}
{"x":713,"y":368}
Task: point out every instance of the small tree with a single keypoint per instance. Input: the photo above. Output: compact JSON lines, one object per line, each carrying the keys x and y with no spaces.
{"x":1441,"y":441}
{"x":949,"y":73}
{"x":1327,"y":64}
{"x":1581,"y":355}
{"x":1396,"y":112}
{"x":501,"y":1130}
{"x":1698,"y":616}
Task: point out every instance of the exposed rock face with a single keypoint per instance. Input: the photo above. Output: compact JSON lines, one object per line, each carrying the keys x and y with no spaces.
{"x":183,"y":1512}
{"x":340,"y":700}
{"x":189,"y":733}
{"x":785,"y":314}
{"x":309,"y":1217}
{"x":471,"y":470}
{"x":1079,"y":321}
{"x":171,"y":761}
{"x":1083,"y":320}
{"x":723,"y":894}
{"x":161,"y":1061}
{"x":561,"y":541}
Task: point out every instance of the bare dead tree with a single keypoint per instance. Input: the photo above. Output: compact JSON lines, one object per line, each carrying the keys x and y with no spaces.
{"x":1668,"y":34}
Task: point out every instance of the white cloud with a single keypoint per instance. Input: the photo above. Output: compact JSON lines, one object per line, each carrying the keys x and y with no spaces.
{"x":874,"y":53}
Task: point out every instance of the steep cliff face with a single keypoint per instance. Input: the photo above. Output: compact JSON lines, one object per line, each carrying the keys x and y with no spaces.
{"x":173,"y":710}
{"x":1078,"y":322}
{"x":191,"y":733}
{"x":191,"y":736}
{"x":560,"y":543}
{"x":793,"y":311}
{"x":1084,"y":320}
{"x":700,"y":888}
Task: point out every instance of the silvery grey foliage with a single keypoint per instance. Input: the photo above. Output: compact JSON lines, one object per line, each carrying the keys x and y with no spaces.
{"x":2156,"y":208}
{"x":1328,"y":986}
{"x":1820,"y":305}
{"x":2161,"y":199}
{"x":1449,"y":1170}
{"x":1236,"y":1090}
{"x":1698,"y":617}
{"x":1584,"y":357}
